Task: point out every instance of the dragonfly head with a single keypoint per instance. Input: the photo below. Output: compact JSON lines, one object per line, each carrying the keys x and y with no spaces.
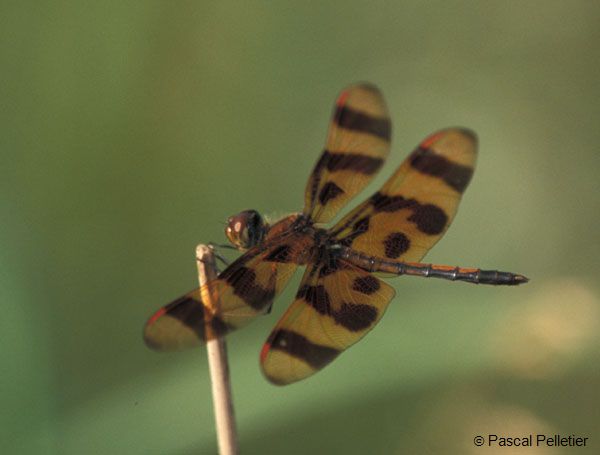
{"x":246,"y":229}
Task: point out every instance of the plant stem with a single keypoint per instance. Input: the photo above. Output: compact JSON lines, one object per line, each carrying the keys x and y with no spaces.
{"x":217,"y":361}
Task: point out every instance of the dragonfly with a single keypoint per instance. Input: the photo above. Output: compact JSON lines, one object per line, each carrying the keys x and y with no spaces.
{"x":342,"y":295}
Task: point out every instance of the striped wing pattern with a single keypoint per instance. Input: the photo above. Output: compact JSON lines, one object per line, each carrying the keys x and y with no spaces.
{"x":244,"y":290}
{"x":413,"y":209}
{"x":336,"y":305}
{"x":357,"y":145}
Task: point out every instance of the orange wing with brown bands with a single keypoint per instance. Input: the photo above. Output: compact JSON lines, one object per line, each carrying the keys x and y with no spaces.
{"x":244,"y":290}
{"x":357,"y":145}
{"x":336,"y":305}
{"x":416,"y":205}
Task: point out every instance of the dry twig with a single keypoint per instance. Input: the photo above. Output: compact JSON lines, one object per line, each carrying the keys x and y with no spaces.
{"x":217,"y":361}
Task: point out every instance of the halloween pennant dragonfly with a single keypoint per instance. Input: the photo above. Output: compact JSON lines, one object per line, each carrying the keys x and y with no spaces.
{"x":339,"y":299}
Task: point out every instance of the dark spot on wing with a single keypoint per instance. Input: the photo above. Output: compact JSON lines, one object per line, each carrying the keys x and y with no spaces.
{"x":395,"y":244}
{"x":366,"y":284}
{"x":352,"y":316}
{"x":358,"y":228}
{"x":329,"y":191}
{"x":356,"y":316}
{"x":361,"y":226}
{"x":348,"y":118}
{"x":384,"y":203}
{"x":300,"y":347}
{"x":315,"y":296}
{"x":243,"y":281}
{"x":190,"y":312}
{"x":357,"y":162}
{"x":429,"y":219}
{"x":453,"y":174}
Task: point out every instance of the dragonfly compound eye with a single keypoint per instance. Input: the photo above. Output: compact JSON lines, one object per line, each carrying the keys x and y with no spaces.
{"x":245,"y":230}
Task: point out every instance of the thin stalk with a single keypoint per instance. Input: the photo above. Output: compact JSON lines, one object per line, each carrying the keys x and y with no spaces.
{"x":217,"y":361}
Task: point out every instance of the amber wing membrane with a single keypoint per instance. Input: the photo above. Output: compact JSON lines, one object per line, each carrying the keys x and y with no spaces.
{"x":244,"y":290}
{"x":413,"y":209}
{"x":357,"y":145}
{"x":336,"y":305}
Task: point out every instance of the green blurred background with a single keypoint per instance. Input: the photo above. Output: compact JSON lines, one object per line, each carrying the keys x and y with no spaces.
{"x":130,"y":131}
